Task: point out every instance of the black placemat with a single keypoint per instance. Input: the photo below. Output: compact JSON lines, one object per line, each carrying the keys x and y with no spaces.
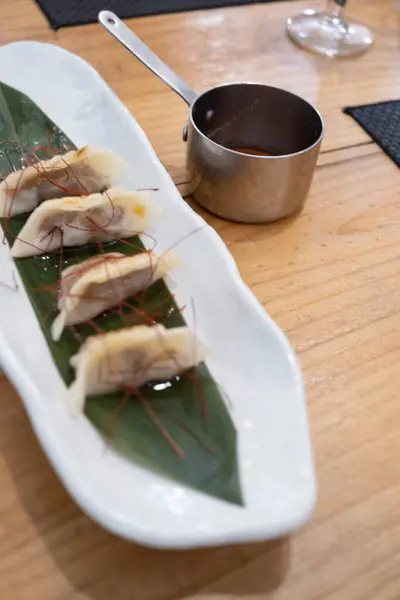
{"x":62,"y":13}
{"x":382,"y":122}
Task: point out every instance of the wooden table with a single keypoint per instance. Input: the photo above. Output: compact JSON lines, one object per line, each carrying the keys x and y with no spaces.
{"x":330,"y":278}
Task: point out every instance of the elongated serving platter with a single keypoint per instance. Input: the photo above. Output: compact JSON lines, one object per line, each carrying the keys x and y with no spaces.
{"x":250,"y":358}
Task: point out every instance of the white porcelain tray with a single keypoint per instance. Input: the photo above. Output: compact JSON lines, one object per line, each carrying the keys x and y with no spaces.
{"x":250,"y":358}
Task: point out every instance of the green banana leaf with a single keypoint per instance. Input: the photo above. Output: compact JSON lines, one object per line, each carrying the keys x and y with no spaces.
{"x":180,"y":428}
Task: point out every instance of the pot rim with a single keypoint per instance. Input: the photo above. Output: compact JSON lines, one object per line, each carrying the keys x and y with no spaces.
{"x":256,"y":156}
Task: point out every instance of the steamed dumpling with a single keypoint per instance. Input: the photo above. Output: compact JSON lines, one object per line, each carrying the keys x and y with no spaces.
{"x":104,"y":281}
{"x":79,"y":220}
{"x":128,"y":358}
{"x":77,"y":172}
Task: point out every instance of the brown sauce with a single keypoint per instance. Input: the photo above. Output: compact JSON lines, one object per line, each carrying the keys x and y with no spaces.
{"x":253,"y":151}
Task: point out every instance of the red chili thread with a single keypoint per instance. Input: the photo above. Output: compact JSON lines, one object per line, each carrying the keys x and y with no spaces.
{"x":13,"y":288}
{"x":158,"y":423}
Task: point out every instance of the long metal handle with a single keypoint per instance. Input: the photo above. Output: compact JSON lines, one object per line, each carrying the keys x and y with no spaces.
{"x":127,"y":38}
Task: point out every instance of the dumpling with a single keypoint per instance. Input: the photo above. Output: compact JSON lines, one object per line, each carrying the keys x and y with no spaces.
{"x":79,"y":220}
{"x":128,"y":358}
{"x":104,"y":281}
{"x":77,"y":172}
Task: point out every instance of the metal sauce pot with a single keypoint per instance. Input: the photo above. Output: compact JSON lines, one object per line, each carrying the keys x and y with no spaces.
{"x":252,"y":148}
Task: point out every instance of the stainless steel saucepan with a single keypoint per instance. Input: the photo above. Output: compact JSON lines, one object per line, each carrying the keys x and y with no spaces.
{"x":251,"y":148}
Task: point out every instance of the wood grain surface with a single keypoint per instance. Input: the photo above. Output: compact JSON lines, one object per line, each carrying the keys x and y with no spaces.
{"x":330,"y":278}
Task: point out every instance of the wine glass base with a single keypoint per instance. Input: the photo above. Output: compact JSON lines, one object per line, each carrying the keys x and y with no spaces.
{"x":329,"y":35}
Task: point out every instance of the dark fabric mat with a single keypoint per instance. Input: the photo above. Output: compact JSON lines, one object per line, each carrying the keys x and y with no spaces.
{"x":62,"y":13}
{"x":382,"y":122}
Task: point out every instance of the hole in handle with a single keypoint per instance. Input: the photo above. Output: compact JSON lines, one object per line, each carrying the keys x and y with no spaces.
{"x":111,"y":21}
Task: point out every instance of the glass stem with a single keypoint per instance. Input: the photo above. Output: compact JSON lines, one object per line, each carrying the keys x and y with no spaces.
{"x":336,"y":8}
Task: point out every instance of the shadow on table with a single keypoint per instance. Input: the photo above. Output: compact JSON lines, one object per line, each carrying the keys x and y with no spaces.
{"x":104,"y":566}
